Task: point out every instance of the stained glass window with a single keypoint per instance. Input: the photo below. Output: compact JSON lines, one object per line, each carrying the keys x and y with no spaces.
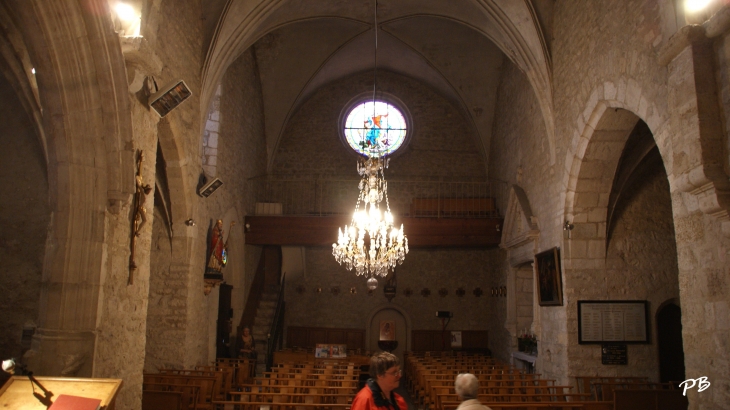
{"x":375,"y":128}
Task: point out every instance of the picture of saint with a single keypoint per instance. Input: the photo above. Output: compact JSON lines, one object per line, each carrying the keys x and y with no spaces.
{"x":547,"y":281}
{"x":387,"y":330}
{"x":548,"y":277}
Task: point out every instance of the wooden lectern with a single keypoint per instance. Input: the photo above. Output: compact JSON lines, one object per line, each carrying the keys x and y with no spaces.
{"x":17,"y":393}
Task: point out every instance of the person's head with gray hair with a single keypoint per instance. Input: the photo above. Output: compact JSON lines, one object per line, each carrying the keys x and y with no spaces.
{"x":467,"y":386}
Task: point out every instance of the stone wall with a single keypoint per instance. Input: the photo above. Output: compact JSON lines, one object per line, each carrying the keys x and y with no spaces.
{"x":241,"y":154}
{"x":432,"y":269}
{"x":524,"y":297}
{"x":166,"y":306}
{"x":440,"y":146}
{"x":24,"y":218}
{"x":178,"y":309}
{"x":520,"y":131}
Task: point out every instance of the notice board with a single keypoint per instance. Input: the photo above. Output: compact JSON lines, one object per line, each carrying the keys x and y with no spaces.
{"x":618,"y":321}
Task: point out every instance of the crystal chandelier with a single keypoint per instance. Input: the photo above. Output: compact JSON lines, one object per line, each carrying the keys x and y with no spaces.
{"x":371,"y":244}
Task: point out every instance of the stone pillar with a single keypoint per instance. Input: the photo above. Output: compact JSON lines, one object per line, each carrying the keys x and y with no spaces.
{"x":701,"y":199}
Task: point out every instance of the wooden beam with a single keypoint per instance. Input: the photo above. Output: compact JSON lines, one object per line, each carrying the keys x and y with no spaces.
{"x":421,"y":232}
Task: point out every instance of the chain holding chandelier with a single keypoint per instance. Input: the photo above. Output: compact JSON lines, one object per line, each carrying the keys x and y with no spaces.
{"x":371,"y":243}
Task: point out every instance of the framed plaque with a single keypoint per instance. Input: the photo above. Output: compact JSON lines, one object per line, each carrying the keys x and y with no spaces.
{"x":614,"y":353}
{"x":613,"y":321}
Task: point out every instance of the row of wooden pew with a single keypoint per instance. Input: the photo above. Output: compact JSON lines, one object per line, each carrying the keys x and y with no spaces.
{"x":193,"y":389}
{"x":633,"y":393}
{"x":301,"y":385}
{"x":501,"y":386}
{"x":229,"y":385}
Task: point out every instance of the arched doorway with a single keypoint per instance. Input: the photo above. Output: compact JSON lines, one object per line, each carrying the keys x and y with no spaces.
{"x":669,"y":343}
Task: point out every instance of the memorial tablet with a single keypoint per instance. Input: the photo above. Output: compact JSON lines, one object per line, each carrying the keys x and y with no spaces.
{"x":614,"y":353}
{"x":620,"y":321}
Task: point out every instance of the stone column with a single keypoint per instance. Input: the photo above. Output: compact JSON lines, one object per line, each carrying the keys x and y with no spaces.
{"x":701,"y":199}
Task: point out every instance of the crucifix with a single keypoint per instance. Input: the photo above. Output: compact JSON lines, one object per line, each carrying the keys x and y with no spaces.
{"x":140,"y":212}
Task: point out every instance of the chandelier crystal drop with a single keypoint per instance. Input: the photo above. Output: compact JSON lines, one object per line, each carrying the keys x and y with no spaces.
{"x":371,"y":243}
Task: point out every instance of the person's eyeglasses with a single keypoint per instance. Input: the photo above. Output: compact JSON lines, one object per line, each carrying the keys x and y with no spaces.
{"x":395,"y":373}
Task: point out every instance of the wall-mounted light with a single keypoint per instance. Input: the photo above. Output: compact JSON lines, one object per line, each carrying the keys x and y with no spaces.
{"x":695,"y":5}
{"x":190,"y":222}
{"x":247,"y":227}
{"x":210,"y":187}
{"x":127,"y":18}
{"x":497,"y":227}
{"x":168,"y":97}
{"x":568,"y":226}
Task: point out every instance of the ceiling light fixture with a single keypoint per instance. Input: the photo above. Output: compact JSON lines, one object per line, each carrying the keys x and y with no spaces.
{"x":371,"y":243}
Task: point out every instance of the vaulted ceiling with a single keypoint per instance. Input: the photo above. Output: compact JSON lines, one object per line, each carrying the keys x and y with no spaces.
{"x":455,"y":47}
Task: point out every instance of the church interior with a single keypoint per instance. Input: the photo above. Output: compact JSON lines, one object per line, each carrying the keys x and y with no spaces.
{"x":552,"y":171}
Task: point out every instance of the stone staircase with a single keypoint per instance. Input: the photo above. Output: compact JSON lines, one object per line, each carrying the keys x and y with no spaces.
{"x":262,"y":325}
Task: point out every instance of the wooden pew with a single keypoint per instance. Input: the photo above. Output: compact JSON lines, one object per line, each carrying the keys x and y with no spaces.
{"x":230,"y":405}
{"x":207,"y":385}
{"x":524,"y":406}
{"x":292,"y":388}
{"x":188,"y":393}
{"x":605,"y":390}
{"x":587,"y":384}
{"x":292,"y":397}
{"x":167,"y":400}
{"x":515,"y":397}
{"x":243,"y":369}
{"x":654,"y":399}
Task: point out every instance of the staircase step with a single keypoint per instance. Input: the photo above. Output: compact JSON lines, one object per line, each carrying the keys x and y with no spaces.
{"x":262,"y":324}
{"x":267,"y":314}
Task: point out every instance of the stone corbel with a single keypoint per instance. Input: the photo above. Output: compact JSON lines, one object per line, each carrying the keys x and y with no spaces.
{"x":141,"y":61}
{"x":713,"y":197}
{"x":703,"y":175}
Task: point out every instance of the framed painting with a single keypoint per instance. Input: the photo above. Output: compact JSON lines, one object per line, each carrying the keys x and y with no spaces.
{"x":387,"y":330}
{"x":549,"y":278}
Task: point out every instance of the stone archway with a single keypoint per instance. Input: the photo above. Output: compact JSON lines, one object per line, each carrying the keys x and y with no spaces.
{"x":624,"y":268}
{"x":389,"y":312}
{"x":83,"y":93}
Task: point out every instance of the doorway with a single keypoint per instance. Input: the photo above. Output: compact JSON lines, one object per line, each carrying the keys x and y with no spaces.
{"x":669,"y":343}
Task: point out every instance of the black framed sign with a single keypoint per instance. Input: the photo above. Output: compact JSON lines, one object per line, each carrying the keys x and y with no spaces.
{"x":613,"y":321}
{"x":614,"y":353}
